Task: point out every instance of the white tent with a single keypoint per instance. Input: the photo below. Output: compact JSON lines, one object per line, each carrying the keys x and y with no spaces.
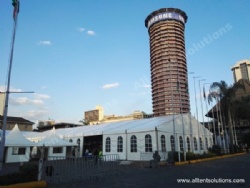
{"x":150,"y":134}
{"x":55,"y":144}
{"x":17,"y":146}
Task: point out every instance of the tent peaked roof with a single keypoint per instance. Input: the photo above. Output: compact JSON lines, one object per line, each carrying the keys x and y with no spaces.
{"x":16,"y":138}
{"x":53,"y":139}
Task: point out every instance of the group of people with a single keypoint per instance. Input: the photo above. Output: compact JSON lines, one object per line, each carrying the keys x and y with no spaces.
{"x":96,"y":155}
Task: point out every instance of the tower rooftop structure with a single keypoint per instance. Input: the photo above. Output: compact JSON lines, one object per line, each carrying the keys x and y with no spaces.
{"x":169,"y":79}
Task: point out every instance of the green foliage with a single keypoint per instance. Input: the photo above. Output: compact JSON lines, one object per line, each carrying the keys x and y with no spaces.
{"x":27,"y":173}
{"x":215,"y":149}
{"x":193,"y":156}
{"x":176,"y":158}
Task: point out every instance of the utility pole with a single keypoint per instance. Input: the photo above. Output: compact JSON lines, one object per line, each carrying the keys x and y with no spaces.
{"x":15,"y":4}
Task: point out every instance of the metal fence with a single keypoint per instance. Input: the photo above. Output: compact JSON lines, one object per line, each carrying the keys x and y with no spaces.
{"x":63,"y":169}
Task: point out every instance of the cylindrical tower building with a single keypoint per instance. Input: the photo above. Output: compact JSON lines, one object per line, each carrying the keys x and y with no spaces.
{"x":169,"y":79}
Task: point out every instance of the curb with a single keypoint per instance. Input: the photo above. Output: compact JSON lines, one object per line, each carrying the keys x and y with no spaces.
{"x":34,"y":184}
{"x":207,"y":159}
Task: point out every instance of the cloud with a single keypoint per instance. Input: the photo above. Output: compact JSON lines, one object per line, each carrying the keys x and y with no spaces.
{"x":89,"y":32}
{"x":44,"y":42}
{"x":146,"y":85}
{"x":41,"y":96}
{"x":107,"y":86}
{"x":3,"y":89}
{"x":81,"y":29}
{"x":36,"y":114}
{"x":25,"y":101}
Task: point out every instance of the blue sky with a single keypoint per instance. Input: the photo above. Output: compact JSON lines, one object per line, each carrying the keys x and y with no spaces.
{"x":78,"y":54}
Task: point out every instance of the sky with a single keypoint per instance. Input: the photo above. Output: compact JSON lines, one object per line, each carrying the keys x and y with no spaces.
{"x":77,"y":54}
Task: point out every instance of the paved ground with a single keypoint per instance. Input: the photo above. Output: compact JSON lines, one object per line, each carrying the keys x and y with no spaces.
{"x":230,"y":168}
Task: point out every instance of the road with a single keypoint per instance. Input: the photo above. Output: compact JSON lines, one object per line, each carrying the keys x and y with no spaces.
{"x":221,"y":170}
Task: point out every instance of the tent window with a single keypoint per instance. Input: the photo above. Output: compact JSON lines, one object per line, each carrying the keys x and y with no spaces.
{"x":211,"y":141}
{"x":163,"y":143}
{"x":18,"y":151}
{"x":201,"y":145}
{"x":206,"y":141}
{"x":133,"y":144}
{"x":195,"y":144}
{"x":57,"y":150}
{"x":148,"y":143}
{"x":172,"y":143}
{"x":107,"y":145}
{"x":119,"y":144}
{"x":188,"y":143}
{"x":181,"y":143}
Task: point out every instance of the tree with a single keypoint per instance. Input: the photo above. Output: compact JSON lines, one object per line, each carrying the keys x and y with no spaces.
{"x":84,"y":122}
{"x":226,"y":96}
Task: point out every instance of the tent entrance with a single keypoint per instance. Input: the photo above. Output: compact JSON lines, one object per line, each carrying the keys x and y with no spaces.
{"x":92,"y":143}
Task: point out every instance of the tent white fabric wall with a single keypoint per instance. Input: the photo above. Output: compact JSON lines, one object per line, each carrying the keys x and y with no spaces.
{"x":15,"y":142}
{"x":156,"y":127}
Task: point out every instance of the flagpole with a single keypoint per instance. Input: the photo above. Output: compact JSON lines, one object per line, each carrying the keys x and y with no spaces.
{"x":203,"y":143}
{"x":183,"y":128}
{"x":208,"y":123}
{"x":2,"y":144}
{"x":198,"y":125}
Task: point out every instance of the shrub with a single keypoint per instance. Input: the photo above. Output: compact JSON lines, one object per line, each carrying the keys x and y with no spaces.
{"x":27,"y":173}
{"x":215,"y":149}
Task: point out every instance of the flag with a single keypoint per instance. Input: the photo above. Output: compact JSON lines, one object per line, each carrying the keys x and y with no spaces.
{"x":15,"y":4}
{"x":204,"y":93}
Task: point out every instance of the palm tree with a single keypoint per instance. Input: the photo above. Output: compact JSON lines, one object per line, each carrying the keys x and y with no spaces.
{"x":226,"y":95}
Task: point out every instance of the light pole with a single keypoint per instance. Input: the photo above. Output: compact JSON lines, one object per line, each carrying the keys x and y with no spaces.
{"x":197,"y":110}
{"x":205,"y":148}
{"x":5,"y":113}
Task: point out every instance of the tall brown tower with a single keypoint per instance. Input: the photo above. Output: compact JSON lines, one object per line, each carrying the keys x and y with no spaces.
{"x":168,"y":61}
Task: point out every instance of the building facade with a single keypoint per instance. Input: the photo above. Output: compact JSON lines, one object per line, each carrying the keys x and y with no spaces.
{"x":2,"y":101}
{"x":168,"y":66}
{"x":23,"y":124}
{"x":94,"y":116}
{"x":241,"y":70}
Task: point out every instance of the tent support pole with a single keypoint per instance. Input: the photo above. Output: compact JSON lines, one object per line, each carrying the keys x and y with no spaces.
{"x":156,"y":137}
{"x":126,"y":144}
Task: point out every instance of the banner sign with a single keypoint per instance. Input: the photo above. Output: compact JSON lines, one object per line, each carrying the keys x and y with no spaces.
{"x":166,"y":16}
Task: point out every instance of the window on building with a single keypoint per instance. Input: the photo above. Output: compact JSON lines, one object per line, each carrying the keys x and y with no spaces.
{"x":107,"y":144}
{"x":119,"y":144}
{"x":201,"y":145}
{"x":18,"y":151}
{"x":57,"y":149}
{"x":172,"y":143}
{"x":188,"y":144}
{"x":195,"y":144}
{"x":133,"y":144}
{"x":163,"y":143}
{"x":244,"y":72}
{"x":148,"y":143}
{"x":181,"y":143}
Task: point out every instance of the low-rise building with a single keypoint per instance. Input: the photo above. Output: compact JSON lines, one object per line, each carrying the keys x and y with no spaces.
{"x":23,"y":124}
